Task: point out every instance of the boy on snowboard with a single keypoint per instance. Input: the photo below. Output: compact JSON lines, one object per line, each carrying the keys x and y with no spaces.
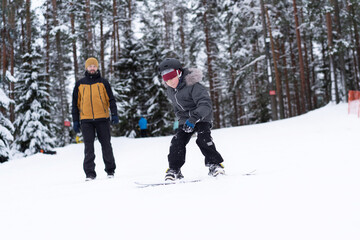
{"x":193,"y":108}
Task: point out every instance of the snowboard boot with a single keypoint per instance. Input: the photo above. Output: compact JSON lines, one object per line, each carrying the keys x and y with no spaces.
{"x":172,"y":175}
{"x":90,"y":178}
{"x":111,"y":175}
{"x":216,"y":169}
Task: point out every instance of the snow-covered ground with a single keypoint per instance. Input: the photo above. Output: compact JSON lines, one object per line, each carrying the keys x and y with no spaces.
{"x":306,"y":187}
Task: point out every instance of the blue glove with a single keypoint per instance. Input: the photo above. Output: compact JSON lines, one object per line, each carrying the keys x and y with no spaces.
{"x":76,"y":126}
{"x":188,"y":127}
{"x":114,"y":119}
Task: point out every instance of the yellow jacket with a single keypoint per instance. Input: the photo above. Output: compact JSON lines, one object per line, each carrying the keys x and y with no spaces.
{"x":93,"y":99}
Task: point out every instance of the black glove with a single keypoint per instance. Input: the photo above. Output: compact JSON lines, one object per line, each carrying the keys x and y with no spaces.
{"x":114,"y":119}
{"x":188,"y":127}
{"x":76,"y":126}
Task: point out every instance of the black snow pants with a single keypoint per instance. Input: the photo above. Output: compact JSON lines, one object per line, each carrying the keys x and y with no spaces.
{"x":102,"y":129}
{"x":204,"y":141}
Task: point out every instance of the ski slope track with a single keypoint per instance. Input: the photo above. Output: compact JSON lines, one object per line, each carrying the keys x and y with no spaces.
{"x":306,"y":187}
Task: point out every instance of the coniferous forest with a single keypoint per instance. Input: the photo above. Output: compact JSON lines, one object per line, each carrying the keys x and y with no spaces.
{"x":263,"y":60}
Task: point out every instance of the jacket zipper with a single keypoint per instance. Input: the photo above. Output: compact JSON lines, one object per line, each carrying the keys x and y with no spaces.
{"x":92,"y":106}
{"x":82,"y":101}
{"x":176,"y":92}
{"x":101,"y":99}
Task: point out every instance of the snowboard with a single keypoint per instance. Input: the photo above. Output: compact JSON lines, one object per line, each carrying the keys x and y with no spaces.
{"x":164,"y":183}
{"x":182,"y":181}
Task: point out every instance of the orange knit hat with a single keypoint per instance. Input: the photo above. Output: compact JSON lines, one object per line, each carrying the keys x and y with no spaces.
{"x":91,"y":61}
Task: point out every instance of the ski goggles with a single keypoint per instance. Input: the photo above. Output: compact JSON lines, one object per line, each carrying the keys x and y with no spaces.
{"x":169,"y":74}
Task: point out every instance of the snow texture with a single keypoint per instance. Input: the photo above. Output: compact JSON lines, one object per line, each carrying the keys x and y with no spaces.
{"x":306,"y":187}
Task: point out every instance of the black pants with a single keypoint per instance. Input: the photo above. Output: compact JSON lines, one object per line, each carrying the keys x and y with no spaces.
{"x":102,"y":129}
{"x":177,"y":153}
{"x":143,"y":132}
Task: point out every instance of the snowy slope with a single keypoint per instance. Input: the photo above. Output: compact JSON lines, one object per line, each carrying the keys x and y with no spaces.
{"x":306,"y":187}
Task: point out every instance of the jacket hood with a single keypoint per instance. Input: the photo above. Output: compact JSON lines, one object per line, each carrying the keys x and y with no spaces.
{"x":193,"y":76}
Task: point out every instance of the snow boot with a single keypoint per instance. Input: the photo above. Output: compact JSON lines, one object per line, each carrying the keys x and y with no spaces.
{"x":90,"y":178}
{"x":172,"y":175}
{"x":216,"y":169}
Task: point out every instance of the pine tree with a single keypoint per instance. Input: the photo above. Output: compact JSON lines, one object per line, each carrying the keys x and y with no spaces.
{"x":209,"y":20}
{"x":60,"y":65}
{"x":128,"y":87}
{"x":156,"y":108}
{"x":34,"y":127}
{"x":245,"y":98}
{"x":6,"y":128}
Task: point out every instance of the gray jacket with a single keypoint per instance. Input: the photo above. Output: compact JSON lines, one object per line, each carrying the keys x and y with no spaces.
{"x":190,"y":99}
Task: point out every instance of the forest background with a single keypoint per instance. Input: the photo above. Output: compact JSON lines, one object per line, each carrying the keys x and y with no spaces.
{"x":262,"y":60}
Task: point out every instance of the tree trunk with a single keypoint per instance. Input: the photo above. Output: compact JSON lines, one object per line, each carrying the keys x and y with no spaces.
{"x":182,"y":34}
{"x":288,"y":96}
{"x":356,"y":37}
{"x":28,"y":26}
{"x":241,"y":110}
{"x":334,"y":87}
{"x":167,"y":16}
{"x":12,"y":61}
{"x":325,"y":72}
{"x":308,"y":92}
{"x":76,"y":66}
{"x":313,"y":71}
{"x":268,"y":66}
{"x":4,"y":57}
{"x":294,"y":67}
{"x":114,"y":30}
{"x":3,"y":36}
{"x":89,"y":28}
{"x":118,"y":54}
{"x":277,"y":75}
{"x":23,"y":35}
{"x":341,"y":49}
{"x":102,"y":41}
{"x":47,"y":46}
{"x":213,"y":91}
{"x":255,"y":72}
{"x":102,"y":46}
{"x":129,"y":20}
{"x":356,"y":84}
{"x":61,"y":76}
{"x":113,"y":58}
{"x":232,"y":87}
{"x":301,"y":60}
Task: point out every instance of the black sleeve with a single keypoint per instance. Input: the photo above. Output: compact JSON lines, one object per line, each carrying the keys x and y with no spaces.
{"x":203,"y":103}
{"x":112,"y":101}
{"x":75,"y":109}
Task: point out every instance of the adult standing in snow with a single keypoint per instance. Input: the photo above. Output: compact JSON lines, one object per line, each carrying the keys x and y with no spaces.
{"x":143,"y":127}
{"x":92,"y":102}
{"x":193,"y":108}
